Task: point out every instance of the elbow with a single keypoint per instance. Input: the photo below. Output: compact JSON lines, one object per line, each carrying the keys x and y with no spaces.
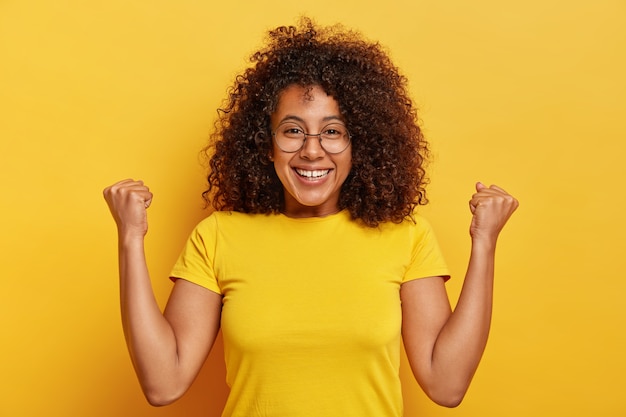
{"x":447,"y":397}
{"x":163,"y":388}
{"x":449,"y":402}
{"x":158,"y":400}
{"x":162,"y":397}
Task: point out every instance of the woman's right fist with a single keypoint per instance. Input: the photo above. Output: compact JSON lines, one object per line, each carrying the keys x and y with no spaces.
{"x":128,"y":201}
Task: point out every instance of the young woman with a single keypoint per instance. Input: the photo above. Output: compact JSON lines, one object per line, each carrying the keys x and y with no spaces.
{"x":315,"y":262}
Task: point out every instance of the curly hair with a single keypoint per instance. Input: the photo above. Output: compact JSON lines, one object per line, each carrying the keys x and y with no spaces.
{"x":387,"y":180}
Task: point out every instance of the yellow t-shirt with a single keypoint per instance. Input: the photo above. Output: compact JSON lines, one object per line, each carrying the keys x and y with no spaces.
{"x":311,"y":312}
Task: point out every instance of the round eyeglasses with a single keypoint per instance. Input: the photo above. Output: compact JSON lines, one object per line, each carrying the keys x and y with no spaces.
{"x":290,"y":137}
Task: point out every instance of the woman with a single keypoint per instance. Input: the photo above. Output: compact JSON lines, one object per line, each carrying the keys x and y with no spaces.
{"x":315,"y":262}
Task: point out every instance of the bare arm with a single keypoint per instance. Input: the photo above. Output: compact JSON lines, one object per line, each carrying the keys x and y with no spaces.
{"x":167,"y":349}
{"x":445,"y":347}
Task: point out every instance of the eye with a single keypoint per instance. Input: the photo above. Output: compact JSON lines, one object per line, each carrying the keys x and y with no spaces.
{"x":292,"y":131}
{"x":334,"y":131}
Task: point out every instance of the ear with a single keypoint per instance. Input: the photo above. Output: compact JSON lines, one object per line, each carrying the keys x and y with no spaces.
{"x":259,"y":138}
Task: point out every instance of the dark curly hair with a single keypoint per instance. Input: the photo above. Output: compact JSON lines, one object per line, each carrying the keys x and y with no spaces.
{"x":387,"y":180}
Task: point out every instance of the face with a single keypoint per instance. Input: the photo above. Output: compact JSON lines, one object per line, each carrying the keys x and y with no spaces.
{"x":311,"y":177}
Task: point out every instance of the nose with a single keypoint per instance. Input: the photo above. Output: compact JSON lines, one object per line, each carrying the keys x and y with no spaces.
{"x":312,"y":148}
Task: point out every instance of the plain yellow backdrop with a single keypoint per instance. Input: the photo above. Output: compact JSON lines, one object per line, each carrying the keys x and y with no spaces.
{"x":529,"y":95}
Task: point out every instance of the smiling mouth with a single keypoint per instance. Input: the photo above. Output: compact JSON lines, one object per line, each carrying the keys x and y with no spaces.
{"x":313,"y":175}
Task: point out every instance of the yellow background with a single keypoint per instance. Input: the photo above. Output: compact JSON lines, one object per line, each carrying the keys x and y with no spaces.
{"x":529,"y":95}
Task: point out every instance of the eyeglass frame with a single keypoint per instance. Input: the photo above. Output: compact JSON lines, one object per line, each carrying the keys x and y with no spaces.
{"x":319,"y":136}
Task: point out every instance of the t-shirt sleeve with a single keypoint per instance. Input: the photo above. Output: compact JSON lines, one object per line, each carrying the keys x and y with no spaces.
{"x":427,"y":259}
{"x":196,"y":261}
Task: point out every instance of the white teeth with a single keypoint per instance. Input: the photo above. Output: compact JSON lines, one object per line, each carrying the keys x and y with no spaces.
{"x":312,"y":174}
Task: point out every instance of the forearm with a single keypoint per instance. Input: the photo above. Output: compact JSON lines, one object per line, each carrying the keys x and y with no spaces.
{"x":443,"y":346}
{"x":149,"y":336}
{"x":462,"y":340}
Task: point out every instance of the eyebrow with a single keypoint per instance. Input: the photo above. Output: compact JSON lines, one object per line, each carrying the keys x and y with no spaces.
{"x":291,"y":117}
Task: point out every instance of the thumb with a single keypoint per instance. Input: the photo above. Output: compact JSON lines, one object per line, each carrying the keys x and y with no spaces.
{"x":473,"y":203}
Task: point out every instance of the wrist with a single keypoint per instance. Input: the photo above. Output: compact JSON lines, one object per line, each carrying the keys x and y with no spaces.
{"x":484,"y":243}
{"x":130,"y":238}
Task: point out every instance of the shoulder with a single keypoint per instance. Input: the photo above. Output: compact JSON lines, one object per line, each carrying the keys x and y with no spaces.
{"x":415,"y":223}
{"x":222,"y":220}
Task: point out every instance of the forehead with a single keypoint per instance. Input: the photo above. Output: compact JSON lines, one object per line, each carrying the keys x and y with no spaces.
{"x":309,"y":104}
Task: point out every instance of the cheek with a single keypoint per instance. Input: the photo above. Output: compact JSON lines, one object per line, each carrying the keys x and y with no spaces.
{"x":347,"y":163}
{"x":281,"y":165}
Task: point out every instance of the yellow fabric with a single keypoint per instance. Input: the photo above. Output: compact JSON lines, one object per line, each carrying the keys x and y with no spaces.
{"x":311,"y":309}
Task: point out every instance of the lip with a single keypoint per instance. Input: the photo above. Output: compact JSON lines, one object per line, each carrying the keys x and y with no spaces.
{"x":310,"y":175}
